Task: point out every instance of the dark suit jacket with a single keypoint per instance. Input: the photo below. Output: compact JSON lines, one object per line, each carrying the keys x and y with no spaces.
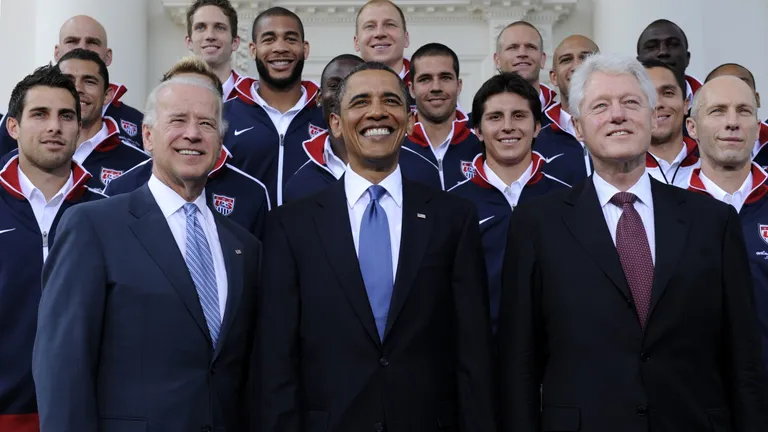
{"x":568,"y":322}
{"x":122,"y":343}
{"x":324,"y":367}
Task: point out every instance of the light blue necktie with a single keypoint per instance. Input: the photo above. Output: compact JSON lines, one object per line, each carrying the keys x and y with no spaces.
{"x":375,"y":256}
{"x":200,"y":264}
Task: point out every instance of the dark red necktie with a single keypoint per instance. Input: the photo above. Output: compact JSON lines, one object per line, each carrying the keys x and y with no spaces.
{"x":634,"y":253}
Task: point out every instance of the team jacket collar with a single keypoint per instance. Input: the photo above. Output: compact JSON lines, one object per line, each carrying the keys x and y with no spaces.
{"x":481,"y":179}
{"x":690,"y":155}
{"x":407,"y":67}
{"x":224,"y":156}
{"x":236,"y":77}
{"x":759,"y":186}
{"x":243,"y":89}
{"x":9,"y":178}
{"x":315,"y":148}
{"x":112,"y":139}
{"x":548,"y":94}
{"x":119,"y":90}
{"x":762,"y":138}
{"x":459,"y":129}
{"x":694,"y":83}
{"x":553,"y":113}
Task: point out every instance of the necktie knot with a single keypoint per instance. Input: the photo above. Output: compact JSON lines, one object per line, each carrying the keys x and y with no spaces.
{"x":376,"y":192}
{"x":189,"y":209}
{"x":623,"y":198}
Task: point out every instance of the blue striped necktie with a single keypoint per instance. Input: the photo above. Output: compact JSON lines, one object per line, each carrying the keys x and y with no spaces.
{"x":375,"y":256}
{"x":200,"y":263}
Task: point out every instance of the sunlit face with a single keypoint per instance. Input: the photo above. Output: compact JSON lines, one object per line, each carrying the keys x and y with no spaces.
{"x":616,"y":119}
{"x":671,"y":105}
{"x":374,"y":119}
{"x":211,"y":38}
{"x":48,"y":128}
{"x":380,"y":34}
{"x":726,"y":125}
{"x":90,"y":87}
{"x":568,"y":56}
{"x":279,"y":51}
{"x":435,"y":87}
{"x":666,"y":43}
{"x":185,"y":141}
{"x":507,"y":128}
{"x":86,"y":33}
{"x":519,"y":50}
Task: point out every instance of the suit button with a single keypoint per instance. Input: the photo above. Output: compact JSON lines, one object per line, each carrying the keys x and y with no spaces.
{"x":384,"y":362}
{"x":378,"y":427}
{"x":642,"y":410}
{"x":205,"y":428}
{"x":644,"y":357}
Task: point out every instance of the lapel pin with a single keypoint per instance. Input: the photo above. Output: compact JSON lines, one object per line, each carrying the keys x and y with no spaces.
{"x":421,"y":215}
{"x":238,"y":251}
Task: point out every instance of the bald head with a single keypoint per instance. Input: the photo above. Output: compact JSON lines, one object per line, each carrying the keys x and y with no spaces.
{"x":568,"y":56}
{"x":723,"y":90}
{"x":738,"y":71}
{"x":84,"y":32}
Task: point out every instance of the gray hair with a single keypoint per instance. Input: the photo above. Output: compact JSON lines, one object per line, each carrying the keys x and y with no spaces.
{"x":150,"y":111}
{"x":610,"y":63}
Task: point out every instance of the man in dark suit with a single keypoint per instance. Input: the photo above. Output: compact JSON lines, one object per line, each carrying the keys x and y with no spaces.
{"x":146,"y":316}
{"x":375,"y":304}
{"x":627,"y":304}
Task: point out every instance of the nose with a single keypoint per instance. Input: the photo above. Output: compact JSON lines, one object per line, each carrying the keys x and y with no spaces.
{"x":54,"y":125}
{"x":732,"y":120}
{"x":209,"y":34}
{"x":377,"y":111}
{"x":616,"y":111}
{"x":509,"y":124}
{"x":192,"y":132}
{"x":663,"y":50}
{"x":380,"y":32}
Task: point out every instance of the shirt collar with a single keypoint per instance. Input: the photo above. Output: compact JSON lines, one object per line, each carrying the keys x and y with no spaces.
{"x":641,"y":189}
{"x":499,"y":184}
{"x":87,"y":146}
{"x":334,"y":164}
{"x":169,"y":201}
{"x":261,"y":102}
{"x":29,"y":190}
{"x":355,"y":186}
{"x":719,"y":194}
{"x":566,"y":120}
{"x":228,"y":85}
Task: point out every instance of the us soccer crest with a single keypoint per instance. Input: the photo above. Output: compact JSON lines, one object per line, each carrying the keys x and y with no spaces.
{"x":129,"y":128}
{"x":107,"y":175}
{"x":467,"y":169}
{"x":763,"y":232}
{"x":315,"y":130}
{"x":223,"y":204}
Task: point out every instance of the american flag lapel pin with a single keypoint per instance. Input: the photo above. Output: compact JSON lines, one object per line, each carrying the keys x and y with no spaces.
{"x":238,"y":251}
{"x":421,"y":215}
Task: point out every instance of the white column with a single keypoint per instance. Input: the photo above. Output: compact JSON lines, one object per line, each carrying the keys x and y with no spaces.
{"x":17,"y":29}
{"x":126,"y":25}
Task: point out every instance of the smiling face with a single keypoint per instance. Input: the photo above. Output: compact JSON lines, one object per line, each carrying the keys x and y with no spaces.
{"x":279,"y":51}
{"x":519,"y":50}
{"x":725,"y":124}
{"x":380,"y":34}
{"x":568,"y":56}
{"x":435,"y":87}
{"x":373,"y":120}
{"x":616,"y":119}
{"x":670,"y":108}
{"x":184,"y":141}
{"x":507,"y":129}
{"x":90,"y":86}
{"x":211,"y":37}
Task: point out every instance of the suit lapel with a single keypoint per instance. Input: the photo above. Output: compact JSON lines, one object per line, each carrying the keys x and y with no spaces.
{"x":152,"y":231}
{"x":587,"y":224}
{"x":333,"y":227}
{"x":671,"y":225}
{"x":414,"y":239}
{"x":234,"y":265}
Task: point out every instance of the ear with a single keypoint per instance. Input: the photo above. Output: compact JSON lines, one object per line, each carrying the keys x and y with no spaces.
{"x":108,"y":60}
{"x":357,"y":44}
{"x":306,"y":50}
{"x":553,"y":78}
{"x":252,"y":49}
{"x":536,"y":129}
{"x":407,"y":40}
{"x":687,"y":103}
{"x":757,"y":98}
{"x":188,"y":42}
{"x":319,"y":97}
{"x":109,"y":95}
{"x":543,"y":60}
{"x":12,"y":125}
{"x":458,"y":91}
{"x":235,"y":43}
{"x":690,"y":125}
{"x":146,"y":135}
{"x":478,"y":133}
{"x":654,"y":122}
{"x":410,"y":89}
{"x":496,"y":61}
{"x":411,"y":123}
{"x":335,"y":124}
{"x":577,"y":129}
{"x":56,"y":53}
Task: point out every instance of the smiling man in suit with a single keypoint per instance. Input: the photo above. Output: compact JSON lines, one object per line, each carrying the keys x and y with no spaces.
{"x":148,"y":299}
{"x":375,"y":301}
{"x":627,"y":304}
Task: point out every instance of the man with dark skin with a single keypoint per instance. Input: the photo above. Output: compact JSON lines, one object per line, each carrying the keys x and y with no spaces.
{"x":665,"y":41}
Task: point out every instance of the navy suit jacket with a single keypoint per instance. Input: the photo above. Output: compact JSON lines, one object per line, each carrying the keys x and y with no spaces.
{"x":122,"y":343}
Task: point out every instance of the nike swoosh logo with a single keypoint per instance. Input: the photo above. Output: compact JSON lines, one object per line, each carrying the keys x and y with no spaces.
{"x":238,"y":132}
{"x":548,"y":160}
{"x":486,"y":220}
{"x":7,"y":230}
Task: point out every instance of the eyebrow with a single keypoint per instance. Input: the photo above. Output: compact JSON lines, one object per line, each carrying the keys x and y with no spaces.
{"x":666,"y":87}
{"x":274,"y":33}
{"x":368,"y":96}
{"x":93,"y":40}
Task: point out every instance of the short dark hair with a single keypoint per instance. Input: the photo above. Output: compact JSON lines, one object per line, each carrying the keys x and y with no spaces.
{"x":276,"y":11}
{"x":654,"y":63}
{"x":505,"y":82}
{"x":45,"y":76}
{"x":224,"y":5}
{"x":520,"y":23}
{"x":399,"y":11}
{"x":339,"y":58}
{"x":434,"y":50}
{"x":370,"y":66}
{"x":659,"y":22}
{"x":751,"y":76}
{"x":84,"y":54}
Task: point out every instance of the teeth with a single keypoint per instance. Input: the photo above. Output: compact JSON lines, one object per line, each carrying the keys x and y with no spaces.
{"x":190,"y":152}
{"x":280,"y":63}
{"x":510,"y":140}
{"x":376,"y":132}
{"x":619,"y":133}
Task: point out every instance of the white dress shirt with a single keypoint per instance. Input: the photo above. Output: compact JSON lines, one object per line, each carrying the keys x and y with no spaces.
{"x":279,"y":119}
{"x":334,"y":164}
{"x":442,"y":148}
{"x":356,"y":188}
{"x":45,"y":211}
{"x":736,"y":199}
{"x":673,"y":173}
{"x":228,"y":85}
{"x":172,"y":206}
{"x":86,"y":148}
{"x":513,"y":191}
{"x":643,"y":205}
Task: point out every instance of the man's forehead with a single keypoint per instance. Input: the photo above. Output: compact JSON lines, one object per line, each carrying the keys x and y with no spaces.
{"x":53,"y":98}
{"x":278,"y":24}
{"x":662,"y":31}
{"x":624,"y":83}
{"x":372,"y":82}
{"x":341,"y":68}
{"x":661,"y":75}
{"x":575,"y":46}
{"x":82,"y":27}
{"x":435,"y":63}
{"x":379,"y":11}
{"x":210,"y":13}
{"x":506,"y":101}
{"x":520,"y":33}
{"x":728,"y":91}
{"x":73,"y":66}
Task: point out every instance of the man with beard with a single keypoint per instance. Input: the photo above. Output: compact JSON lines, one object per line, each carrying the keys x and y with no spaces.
{"x":374,"y":306}
{"x":212,"y":36}
{"x":441,"y":135}
{"x":100,"y":149}
{"x":567,"y":158}
{"x":665,"y":41}
{"x":270,"y":118}
{"x":85,"y":32}
{"x":36,"y":187}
